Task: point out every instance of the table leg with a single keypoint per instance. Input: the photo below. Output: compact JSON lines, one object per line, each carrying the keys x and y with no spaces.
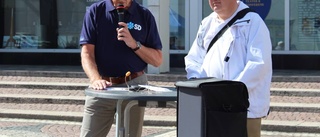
{"x":133,"y":103}
{"x":127,"y":117}
{"x":118,"y":119}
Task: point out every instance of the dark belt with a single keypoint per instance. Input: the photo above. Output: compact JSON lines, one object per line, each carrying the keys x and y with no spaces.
{"x":120,"y":80}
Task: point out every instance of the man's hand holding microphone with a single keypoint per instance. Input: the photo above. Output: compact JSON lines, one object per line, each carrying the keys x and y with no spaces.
{"x":123,"y":31}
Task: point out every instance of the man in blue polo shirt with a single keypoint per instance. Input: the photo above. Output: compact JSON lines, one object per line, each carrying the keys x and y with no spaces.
{"x":109,"y":52}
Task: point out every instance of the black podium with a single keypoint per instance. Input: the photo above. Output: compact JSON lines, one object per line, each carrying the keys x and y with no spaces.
{"x":210,"y":107}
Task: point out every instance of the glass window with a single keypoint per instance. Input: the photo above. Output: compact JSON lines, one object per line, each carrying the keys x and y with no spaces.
{"x":305,"y":29}
{"x":20,"y":18}
{"x":41,"y":24}
{"x":56,"y":24}
{"x":275,"y":23}
{"x":70,"y":17}
{"x":177,"y":17}
{"x":177,"y":24}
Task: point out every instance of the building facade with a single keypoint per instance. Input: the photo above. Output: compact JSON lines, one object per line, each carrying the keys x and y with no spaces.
{"x":46,"y":32}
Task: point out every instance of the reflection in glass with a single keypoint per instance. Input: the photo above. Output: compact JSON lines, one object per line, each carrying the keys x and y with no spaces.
{"x":305,"y":29}
{"x":177,"y":25}
{"x":70,"y":16}
{"x":41,"y":24}
{"x":56,"y":24}
{"x":275,"y":22}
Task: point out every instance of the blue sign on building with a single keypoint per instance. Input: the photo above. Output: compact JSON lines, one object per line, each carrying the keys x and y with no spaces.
{"x":262,"y":7}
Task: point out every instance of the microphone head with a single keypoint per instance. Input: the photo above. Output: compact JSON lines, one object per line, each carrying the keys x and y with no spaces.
{"x":120,"y":8}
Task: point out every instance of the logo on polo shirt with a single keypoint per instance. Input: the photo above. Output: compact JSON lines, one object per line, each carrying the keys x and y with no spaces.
{"x":134,"y":26}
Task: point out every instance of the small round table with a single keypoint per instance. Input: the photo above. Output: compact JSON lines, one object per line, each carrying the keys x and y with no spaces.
{"x":151,"y":96}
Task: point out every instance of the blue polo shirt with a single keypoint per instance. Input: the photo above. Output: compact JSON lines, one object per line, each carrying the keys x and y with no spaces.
{"x":113,"y":57}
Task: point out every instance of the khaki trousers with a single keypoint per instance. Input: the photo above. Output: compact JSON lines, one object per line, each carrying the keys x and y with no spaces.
{"x":254,"y":127}
{"x":99,"y":115}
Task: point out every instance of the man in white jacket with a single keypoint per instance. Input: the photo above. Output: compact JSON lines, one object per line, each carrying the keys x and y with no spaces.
{"x":242,"y":53}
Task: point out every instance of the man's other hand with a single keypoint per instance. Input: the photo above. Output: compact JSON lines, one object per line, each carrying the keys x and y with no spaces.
{"x":100,"y":84}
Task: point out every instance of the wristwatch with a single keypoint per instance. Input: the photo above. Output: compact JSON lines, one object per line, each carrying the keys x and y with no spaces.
{"x":138,"y":46}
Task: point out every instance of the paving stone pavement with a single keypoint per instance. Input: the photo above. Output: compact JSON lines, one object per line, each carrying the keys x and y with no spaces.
{"x":307,"y":80}
{"x":45,"y":128}
{"x":51,"y":128}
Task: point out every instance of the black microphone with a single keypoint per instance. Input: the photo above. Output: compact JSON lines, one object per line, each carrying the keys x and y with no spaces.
{"x":120,"y":10}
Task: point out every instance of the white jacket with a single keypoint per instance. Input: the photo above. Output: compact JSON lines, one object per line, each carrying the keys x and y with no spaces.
{"x":247,"y":44}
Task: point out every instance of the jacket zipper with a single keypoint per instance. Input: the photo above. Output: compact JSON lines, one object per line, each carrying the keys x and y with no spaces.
{"x":242,"y":21}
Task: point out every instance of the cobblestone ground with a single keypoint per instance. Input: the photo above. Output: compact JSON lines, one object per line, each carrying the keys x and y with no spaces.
{"x":47,"y":128}
{"x":37,"y":128}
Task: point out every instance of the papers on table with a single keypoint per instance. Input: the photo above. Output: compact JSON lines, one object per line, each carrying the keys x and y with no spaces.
{"x":156,"y":89}
{"x":147,"y":88}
